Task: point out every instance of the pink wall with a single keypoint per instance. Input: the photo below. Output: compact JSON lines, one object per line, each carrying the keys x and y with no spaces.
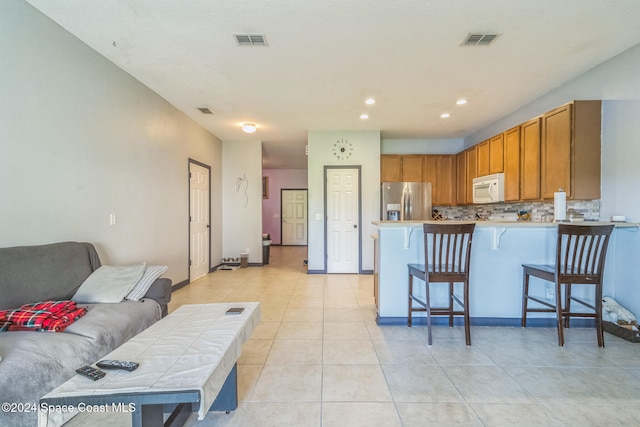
{"x":288,"y":179}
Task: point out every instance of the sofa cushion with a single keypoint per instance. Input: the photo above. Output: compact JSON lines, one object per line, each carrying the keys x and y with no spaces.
{"x":34,"y":363}
{"x":109,"y":284}
{"x":45,"y":272}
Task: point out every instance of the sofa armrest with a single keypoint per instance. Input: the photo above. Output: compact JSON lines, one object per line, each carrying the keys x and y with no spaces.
{"x":160,"y":291}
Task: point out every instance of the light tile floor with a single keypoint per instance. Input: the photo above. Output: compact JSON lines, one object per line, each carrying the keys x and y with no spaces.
{"x":319,"y":359}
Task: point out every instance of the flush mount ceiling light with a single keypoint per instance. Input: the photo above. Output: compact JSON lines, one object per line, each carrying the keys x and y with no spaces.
{"x":249,"y":127}
{"x":445,"y":115}
{"x":370,"y":101}
{"x":364,"y":116}
{"x":461,"y":101}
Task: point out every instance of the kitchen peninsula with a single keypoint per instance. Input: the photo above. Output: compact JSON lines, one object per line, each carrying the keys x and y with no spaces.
{"x":498,"y":251}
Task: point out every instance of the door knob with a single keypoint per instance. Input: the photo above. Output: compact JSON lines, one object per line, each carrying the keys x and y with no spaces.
{"x":355,"y":225}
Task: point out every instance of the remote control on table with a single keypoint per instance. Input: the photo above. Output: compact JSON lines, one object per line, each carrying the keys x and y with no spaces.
{"x":118,"y":364}
{"x":91,"y":372}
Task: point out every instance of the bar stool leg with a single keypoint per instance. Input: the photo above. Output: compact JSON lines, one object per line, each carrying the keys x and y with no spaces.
{"x":451,"y":302}
{"x":410,"y":302}
{"x":525,"y":294}
{"x":598,"y":304}
{"x":428,"y":301}
{"x":559,"y":315}
{"x":467,"y":326}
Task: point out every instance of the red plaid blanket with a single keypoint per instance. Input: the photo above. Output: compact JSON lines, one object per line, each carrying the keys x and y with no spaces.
{"x":42,"y":316}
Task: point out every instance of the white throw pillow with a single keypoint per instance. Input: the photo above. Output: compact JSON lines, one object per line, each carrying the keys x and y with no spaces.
{"x":109,"y":284}
{"x":151,"y":273}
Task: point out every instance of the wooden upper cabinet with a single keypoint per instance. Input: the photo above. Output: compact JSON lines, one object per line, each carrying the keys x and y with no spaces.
{"x":530,"y":160}
{"x":446,"y":190}
{"x":461,"y":178}
{"x":571,"y":150}
{"x":472,"y":170}
{"x":439,"y":170}
{"x":511,"y":142}
{"x":390,"y":168}
{"x":430,"y":167}
{"x":412,"y":168}
{"x":483,"y":158}
{"x":496,"y":154}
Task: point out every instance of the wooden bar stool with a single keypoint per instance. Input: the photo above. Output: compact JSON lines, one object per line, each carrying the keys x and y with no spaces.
{"x":447,"y":250}
{"x":580,"y":254}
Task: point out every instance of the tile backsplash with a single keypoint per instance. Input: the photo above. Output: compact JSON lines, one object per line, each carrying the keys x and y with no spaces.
{"x":589,"y":208}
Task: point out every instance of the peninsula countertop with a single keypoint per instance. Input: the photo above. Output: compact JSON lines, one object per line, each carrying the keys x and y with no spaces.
{"x":499,"y":250}
{"x":502,"y":223}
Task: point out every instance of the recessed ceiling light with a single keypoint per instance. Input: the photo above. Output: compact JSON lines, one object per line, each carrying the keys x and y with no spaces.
{"x":249,"y":127}
{"x":370,"y":101}
{"x":461,"y":101}
{"x":445,"y":115}
{"x":364,"y":116}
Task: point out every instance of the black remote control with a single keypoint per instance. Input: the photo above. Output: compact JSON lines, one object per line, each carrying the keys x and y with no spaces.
{"x":91,"y":372}
{"x":118,"y":364}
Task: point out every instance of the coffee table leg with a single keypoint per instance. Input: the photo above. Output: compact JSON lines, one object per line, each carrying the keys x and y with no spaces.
{"x":148,"y":415}
{"x":227,"y":399}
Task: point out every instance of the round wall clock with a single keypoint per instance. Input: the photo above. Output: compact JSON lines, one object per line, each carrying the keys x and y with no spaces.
{"x":342,"y":149}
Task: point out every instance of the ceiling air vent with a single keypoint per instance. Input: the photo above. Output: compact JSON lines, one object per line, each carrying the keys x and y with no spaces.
{"x":205,"y":110}
{"x":250,"y":39}
{"x":479,"y":39}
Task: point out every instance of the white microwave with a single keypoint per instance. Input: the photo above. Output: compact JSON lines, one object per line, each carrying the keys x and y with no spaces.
{"x":488,"y":189}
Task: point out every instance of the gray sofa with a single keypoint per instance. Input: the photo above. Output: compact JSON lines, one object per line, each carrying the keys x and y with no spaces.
{"x":34,"y":362}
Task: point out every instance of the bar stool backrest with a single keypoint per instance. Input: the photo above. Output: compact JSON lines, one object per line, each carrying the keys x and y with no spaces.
{"x":448,"y":248}
{"x":581,"y":252}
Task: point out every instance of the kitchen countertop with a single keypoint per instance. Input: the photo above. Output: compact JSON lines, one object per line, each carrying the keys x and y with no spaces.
{"x":484,"y":223}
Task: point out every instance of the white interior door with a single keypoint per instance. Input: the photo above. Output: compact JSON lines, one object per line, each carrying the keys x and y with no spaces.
{"x":198,"y":220}
{"x":343,"y":216}
{"x":294,"y":217}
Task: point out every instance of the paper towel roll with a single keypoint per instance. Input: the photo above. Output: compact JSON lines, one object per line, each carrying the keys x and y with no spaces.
{"x":559,"y":206}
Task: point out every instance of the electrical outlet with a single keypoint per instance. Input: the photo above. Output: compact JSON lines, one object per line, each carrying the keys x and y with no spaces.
{"x":112,"y":219}
{"x":549,"y":290}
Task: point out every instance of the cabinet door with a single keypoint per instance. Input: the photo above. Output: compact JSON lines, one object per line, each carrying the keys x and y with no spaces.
{"x":446,"y":180}
{"x":483,"y":158}
{"x":496,"y":154}
{"x":556,"y":151}
{"x":430,"y":164}
{"x":412,"y":168}
{"x":461,"y":178}
{"x":390,"y":168}
{"x":512,"y":164}
{"x":472,"y":171}
{"x":530,"y":160}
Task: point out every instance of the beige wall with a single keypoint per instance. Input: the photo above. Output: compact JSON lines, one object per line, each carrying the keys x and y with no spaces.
{"x":81,"y":139}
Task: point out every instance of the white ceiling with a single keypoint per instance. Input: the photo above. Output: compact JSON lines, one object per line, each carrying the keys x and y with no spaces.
{"x":325,"y":57}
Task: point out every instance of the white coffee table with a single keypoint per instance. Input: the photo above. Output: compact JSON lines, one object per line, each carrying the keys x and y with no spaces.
{"x":187,"y":362}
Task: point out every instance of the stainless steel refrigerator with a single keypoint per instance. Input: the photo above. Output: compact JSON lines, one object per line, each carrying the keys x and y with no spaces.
{"x":405,"y":201}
